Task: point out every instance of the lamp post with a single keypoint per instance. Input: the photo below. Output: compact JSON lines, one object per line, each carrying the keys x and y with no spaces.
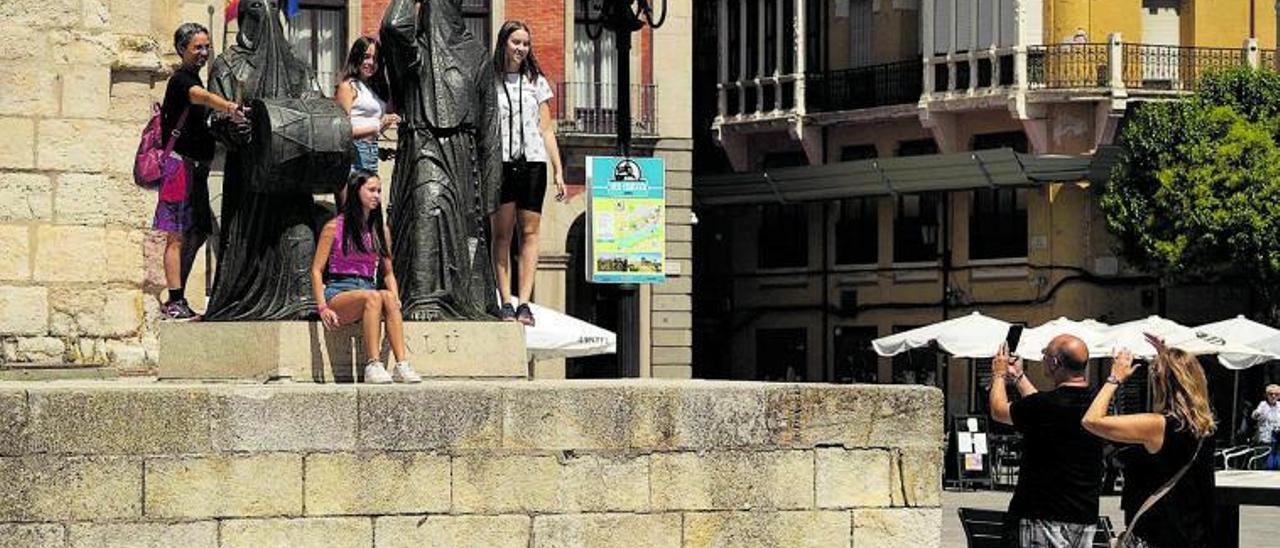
{"x":623,"y":17}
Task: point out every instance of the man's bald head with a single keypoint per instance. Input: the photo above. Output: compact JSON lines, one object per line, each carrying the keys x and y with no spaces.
{"x":1069,"y":351}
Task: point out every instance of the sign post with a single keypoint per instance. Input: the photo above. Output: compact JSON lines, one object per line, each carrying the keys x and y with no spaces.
{"x":626,"y":238}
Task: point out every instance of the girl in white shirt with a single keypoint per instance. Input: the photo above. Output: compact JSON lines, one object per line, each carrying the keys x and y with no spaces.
{"x":528,"y":146}
{"x":363,"y":80}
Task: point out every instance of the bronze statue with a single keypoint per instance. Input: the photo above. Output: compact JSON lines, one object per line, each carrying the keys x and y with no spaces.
{"x":268,"y":238}
{"x":448,"y":165}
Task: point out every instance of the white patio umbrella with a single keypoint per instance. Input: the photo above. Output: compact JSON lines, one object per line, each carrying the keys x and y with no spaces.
{"x":1261,"y":337}
{"x":559,"y":335}
{"x":1131,"y":335}
{"x":969,"y":336}
{"x":1092,"y":332}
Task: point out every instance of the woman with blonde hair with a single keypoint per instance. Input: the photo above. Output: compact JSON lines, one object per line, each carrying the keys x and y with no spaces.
{"x":1169,"y":480}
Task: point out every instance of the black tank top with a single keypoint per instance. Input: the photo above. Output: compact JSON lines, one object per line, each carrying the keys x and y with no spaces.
{"x":1183,"y":518}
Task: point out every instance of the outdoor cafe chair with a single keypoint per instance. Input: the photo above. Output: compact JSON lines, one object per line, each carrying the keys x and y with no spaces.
{"x":1240,"y":456}
{"x":1258,"y":461}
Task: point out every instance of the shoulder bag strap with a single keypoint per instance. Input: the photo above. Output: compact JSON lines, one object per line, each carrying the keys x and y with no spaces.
{"x":177,"y":130}
{"x":1164,"y":489}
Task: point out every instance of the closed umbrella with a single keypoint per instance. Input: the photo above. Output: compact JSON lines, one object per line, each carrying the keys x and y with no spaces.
{"x":558,"y":335}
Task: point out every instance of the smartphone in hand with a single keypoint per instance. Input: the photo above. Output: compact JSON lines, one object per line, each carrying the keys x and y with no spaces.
{"x":1012,"y":337}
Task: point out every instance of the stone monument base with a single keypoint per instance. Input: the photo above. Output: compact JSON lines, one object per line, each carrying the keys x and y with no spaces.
{"x":307,"y":352}
{"x":496,"y":464}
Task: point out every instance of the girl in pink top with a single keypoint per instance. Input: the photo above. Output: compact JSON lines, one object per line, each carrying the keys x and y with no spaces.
{"x":344,"y":274}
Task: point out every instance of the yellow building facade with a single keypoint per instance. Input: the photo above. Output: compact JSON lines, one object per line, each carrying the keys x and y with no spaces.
{"x":1051,"y":77}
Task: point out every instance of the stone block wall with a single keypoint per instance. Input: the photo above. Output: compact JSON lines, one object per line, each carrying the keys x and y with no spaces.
{"x":79,"y":265}
{"x":545,"y":464}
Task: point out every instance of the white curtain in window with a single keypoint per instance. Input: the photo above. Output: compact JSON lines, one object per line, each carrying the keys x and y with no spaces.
{"x":330,"y":48}
{"x":301,"y":36}
{"x":595,"y":66}
{"x":317,"y":37}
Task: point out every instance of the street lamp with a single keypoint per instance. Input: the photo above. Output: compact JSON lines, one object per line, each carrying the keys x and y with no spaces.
{"x":623,"y":17}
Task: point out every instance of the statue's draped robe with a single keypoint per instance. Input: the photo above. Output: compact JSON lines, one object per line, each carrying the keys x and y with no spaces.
{"x":448,"y":168}
{"x":268,"y":240}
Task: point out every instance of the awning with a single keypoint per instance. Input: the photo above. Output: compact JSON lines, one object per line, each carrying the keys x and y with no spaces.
{"x":999,"y":168}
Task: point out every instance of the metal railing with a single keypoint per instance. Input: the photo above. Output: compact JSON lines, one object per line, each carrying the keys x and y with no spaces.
{"x":589,"y":108}
{"x":1094,"y":68}
{"x":1174,"y":67}
{"x":865,"y":87}
{"x":1097,"y":68}
{"x":1061,"y":66}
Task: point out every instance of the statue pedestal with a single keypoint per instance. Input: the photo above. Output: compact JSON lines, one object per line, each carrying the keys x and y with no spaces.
{"x":306,"y":352}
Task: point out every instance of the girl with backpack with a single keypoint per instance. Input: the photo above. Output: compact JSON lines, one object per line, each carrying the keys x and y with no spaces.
{"x":353,"y":247}
{"x":183,"y":211}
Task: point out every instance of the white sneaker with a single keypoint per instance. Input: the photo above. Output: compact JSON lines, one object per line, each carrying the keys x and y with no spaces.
{"x":374,"y":373}
{"x":403,"y":372}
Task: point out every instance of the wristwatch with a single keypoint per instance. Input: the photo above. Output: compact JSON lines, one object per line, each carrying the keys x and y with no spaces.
{"x":1114,"y":380}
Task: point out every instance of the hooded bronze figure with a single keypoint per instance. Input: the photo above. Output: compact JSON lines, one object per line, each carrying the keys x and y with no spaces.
{"x":448,"y":166}
{"x":268,"y":239}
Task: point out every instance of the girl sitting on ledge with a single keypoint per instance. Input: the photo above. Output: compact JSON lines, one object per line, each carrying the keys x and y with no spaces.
{"x":344,"y":274}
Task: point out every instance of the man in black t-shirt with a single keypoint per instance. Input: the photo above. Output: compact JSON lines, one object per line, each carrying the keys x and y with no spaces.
{"x":1056,"y":501}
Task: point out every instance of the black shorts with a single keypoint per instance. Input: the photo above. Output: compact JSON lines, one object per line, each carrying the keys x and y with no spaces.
{"x":524,"y":183}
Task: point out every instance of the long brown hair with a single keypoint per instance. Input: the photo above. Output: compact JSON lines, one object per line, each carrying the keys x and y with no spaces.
{"x":529,"y":68}
{"x":1182,"y":391}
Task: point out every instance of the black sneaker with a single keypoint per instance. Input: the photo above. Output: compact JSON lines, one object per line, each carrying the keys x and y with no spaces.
{"x":524,"y":315}
{"x":507,"y":313}
{"x":178,"y":311}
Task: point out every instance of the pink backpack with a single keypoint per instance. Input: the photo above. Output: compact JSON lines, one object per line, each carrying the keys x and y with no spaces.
{"x":153,"y":150}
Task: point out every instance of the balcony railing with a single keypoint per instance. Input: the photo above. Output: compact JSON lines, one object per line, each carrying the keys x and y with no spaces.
{"x":990,"y":74}
{"x":1174,"y":67}
{"x":1099,"y":67}
{"x":1063,"y":66}
{"x":865,"y":87}
{"x":589,"y":108}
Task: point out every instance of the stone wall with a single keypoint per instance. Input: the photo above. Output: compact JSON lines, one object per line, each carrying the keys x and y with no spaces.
{"x":79,"y":267}
{"x":545,"y":464}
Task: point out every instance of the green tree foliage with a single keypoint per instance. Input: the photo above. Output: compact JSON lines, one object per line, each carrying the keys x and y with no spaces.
{"x":1196,"y":195}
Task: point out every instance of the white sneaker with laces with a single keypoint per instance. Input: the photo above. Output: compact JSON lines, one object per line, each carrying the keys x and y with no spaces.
{"x":403,"y":372}
{"x":375,"y":373}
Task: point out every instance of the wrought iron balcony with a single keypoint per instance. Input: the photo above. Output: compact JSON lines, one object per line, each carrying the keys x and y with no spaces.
{"x":865,"y":87}
{"x":1096,"y":67}
{"x":1174,"y":67}
{"x":1066,"y":66}
{"x":589,"y":108}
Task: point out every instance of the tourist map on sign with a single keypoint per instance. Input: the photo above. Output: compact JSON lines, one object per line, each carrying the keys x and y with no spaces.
{"x":628,"y":218}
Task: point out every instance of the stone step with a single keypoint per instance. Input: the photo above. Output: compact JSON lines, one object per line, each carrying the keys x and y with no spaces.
{"x":307,"y":352}
{"x":56,"y":372}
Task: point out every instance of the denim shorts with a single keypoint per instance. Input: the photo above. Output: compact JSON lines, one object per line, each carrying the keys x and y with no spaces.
{"x":366,"y":156}
{"x":345,"y":283}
